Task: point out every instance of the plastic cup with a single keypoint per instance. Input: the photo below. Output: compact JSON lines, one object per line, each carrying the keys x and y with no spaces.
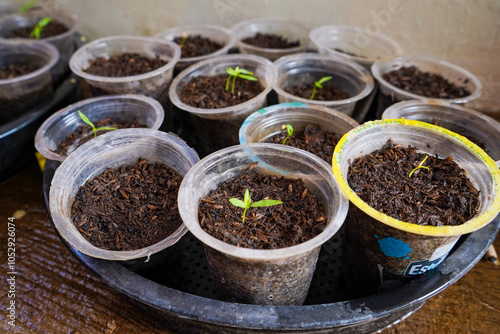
{"x":381,"y":252}
{"x":214,"y":129}
{"x":21,"y":93}
{"x":390,"y":94}
{"x":478,"y":127}
{"x":256,"y":276}
{"x":120,"y":108}
{"x":292,"y":31}
{"x":65,"y":42}
{"x":309,"y":67}
{"x":215,"y":33}
{"x":263,"y":124}
{"x":112,"y":150}
{"x":153,"y":84}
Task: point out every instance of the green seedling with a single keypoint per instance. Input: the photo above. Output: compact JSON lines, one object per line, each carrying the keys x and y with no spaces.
{"x":238,"y":73}
{"x":247,"y":203}
{"x":88,"y":122}
{"x":318,"y":85}
{"x":419,"y":166}
{"x":289,"y":129}
{"x":37,"y":30}
{"x":26,"y":7}
{"x":183,"y":41}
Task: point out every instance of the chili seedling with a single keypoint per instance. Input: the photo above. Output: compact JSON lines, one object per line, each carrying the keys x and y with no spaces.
{"x":88,"y":122}
{"x":419,"y":166}
{"x":318,"y":85}
{"x":289,"y":129}
{"x":238,"y":73}
{"x":37,"y":30}
{"x":26,"y":7}
{"x":247,"y":203}
{"x":183,"y":41}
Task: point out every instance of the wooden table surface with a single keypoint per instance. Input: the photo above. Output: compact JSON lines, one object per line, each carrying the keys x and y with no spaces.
{"x":54,"y":293}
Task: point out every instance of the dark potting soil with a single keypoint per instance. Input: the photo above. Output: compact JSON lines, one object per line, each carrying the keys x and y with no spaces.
{"x":440,"y":195}
{"x":427,"y":84}
{"x":197,"y":45}
{"x":209,"y":92}
{"x":299,"y":218}
{"x":54,"y":28}
{"x":16,"y":70}
{"x":329,"y":92}
{"x":124,"y":65}
{"x":129,"y":207}
{"x":84,"y":133}
{"x":313,"y":139}
{"x":270,"y":41}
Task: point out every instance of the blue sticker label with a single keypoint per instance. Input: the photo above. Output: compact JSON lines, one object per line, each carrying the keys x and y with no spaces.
{"x":394,"y":248}
{"x":421,"y":267}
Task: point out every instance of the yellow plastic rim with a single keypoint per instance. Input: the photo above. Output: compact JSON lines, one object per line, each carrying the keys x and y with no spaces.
{"x":467,"y":227}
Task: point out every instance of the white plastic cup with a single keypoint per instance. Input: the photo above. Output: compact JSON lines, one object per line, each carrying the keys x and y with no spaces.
{"x":112,"y":150}
{"x":262,"y":276}
{"x":390,"y":94}
{"x":120,"y":108}
{"x":292,"y":31}
{"x":310,"y":67}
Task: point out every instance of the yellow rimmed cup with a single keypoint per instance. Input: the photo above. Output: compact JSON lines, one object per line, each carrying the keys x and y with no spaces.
{"x":381,"y":252}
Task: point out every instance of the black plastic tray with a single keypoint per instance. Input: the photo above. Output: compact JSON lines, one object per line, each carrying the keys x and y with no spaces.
{"x":183,"y":299}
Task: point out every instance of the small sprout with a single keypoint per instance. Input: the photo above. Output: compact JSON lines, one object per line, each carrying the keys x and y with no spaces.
{"x":240,"y":73}
{"x":88,"y":122}
{"x":27,"y":6}
{"x":183,"y":41}
{"x":289,"y":129}
{"x":419,"y":166}
{"x":247,"y":203}
{"x":37,"y":30}
{"x":318,"y":84}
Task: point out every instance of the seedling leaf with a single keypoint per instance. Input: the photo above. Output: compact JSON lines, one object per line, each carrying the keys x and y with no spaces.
{"x":318,"y":85}
{"x":27,"y":6}
{"x":237,"y":202}
{"x":247,"y":203}
{"x":238,"y":73}
{"x":419,"y":166}
{"x":37,"y":30}
{"x":289,"y":129}
{"x":265,"y":202}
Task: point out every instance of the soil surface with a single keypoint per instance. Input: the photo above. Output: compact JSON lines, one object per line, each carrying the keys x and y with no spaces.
{"x":270,"y":41}
{"x":329,"y":92}
{"x":124,"y":65}
{"x":313,"y":139}
{"x":440,"y":195}
{"x":14,"y":70}
{"x":415,"y":81}
{"x":84,"y":133}
{"x":54,"y":28}
{"x":197,"y":45}
{"x":209,"y":92}
{"x":299,"y":218}
{"x":128,"y":208}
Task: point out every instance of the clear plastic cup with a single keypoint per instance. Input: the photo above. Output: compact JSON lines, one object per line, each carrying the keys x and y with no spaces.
{"x":292,"y":31}
{"x":261,"y":276}
{"x":218,"y":128}
{"x":479,"y":128}
{"x":112,"y":150}
{"x":381,"y":252}
{"x":309,"y":67}
{"x":21,"y":93}
{"x":120,"y":108}
{"x":64,"y":42}
{"x":215,"y":33}
{"x":153,"y":84}
{"x":263,"y":124}
{"x":354,"y":43}
{"x":390,"y":94}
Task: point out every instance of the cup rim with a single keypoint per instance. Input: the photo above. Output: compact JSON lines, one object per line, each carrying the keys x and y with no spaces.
{"x":78,"y":70}
{"x":437,"y":231}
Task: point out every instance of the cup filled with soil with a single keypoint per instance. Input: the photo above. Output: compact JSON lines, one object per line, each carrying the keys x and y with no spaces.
{"x":66,"y":130}
{"x":198,"y":42}
{"x":60,"y":32}
{"x":418,"y":78}
{"x":414,"y":189}
{"x":269,"y":257}
{"x":271,"y":38}
{"x":213,"y":97}
{"x":322,"y":80}
{"x":479,"y":128}
{"x":127,"y":65}
{"x":25,"y":77}
{"x":115,"y":197}
{"x":311,"y":128}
